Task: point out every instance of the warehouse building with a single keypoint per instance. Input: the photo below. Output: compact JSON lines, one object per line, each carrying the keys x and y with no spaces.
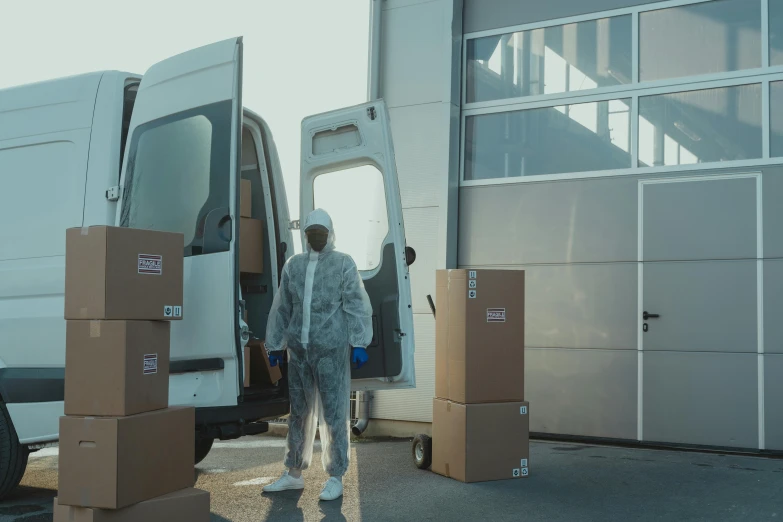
{"x":627,"y":154}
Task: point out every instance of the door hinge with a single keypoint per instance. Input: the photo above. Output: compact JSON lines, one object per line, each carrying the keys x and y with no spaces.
{"x":398,"y":335}
{"x":113,"y":193}
{"x":294,"y":225}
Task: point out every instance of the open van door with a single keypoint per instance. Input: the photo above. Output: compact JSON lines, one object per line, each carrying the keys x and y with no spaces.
{"x":180,"y":174}
{"x":348,"y":169}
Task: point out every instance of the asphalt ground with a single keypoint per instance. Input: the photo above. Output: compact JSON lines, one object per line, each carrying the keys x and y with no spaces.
{"x":568,"y":482}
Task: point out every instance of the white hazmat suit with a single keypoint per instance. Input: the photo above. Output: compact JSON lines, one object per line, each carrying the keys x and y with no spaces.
{"x":320,"y":312}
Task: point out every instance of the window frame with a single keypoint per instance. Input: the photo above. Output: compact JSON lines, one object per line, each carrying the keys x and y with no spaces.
{"x":211,"y":112}
{"x":765,"y":75}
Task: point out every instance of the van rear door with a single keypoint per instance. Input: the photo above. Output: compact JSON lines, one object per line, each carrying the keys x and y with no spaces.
{"x":180,"y":174}
{"x":348,"y":169}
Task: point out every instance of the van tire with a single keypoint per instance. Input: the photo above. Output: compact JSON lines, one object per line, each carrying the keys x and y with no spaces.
{"x":203,"y":445}
{"x":13,"y":456}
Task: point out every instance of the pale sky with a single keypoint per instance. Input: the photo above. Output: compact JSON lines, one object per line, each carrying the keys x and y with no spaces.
{"x":301,"y":57}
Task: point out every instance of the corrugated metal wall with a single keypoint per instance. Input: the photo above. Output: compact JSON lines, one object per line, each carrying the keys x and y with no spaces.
{"x":578,"y":241}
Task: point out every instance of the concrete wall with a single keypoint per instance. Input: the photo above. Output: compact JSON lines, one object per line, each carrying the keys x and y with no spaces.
{"x":419,"y":79}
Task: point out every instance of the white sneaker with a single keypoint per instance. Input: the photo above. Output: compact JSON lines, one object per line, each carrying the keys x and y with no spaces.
{"x":284,"y":483}
{"x":332,"y":490}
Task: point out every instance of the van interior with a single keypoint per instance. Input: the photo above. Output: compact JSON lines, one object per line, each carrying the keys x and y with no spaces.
{"x":257,"y":287}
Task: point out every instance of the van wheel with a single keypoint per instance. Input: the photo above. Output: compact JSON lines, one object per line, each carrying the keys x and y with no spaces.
{"x":13,"y":456}
{"x":203,"y":445}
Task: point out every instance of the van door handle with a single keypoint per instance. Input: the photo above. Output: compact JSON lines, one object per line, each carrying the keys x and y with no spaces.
{"x":647,"y":316}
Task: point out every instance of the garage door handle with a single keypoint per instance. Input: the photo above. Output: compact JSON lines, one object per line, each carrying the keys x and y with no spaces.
{"x":647,"y":316}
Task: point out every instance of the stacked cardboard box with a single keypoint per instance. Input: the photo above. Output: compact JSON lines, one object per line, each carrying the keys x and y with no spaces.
{"x":125,"y":455}
{"x":258,"y":369}
{"x":481,"y":425}
{"x":251,"y":234}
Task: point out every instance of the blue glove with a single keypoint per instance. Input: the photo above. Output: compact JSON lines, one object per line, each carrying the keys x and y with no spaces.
{"x":359,"y":357}
{"x":274,"y":360}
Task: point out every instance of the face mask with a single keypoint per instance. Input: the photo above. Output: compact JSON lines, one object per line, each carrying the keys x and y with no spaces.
{"x":317,"y":239}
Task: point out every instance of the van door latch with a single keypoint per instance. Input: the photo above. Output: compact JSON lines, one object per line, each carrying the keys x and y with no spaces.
{"x":113,"y":193}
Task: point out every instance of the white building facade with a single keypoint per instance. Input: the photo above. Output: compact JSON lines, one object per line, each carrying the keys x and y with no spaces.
{"x":625,"y":153}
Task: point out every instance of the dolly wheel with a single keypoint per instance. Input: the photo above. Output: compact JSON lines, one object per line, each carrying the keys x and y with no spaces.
{"x":422,"y":451}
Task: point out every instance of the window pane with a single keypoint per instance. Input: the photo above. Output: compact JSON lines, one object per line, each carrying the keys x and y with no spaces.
{"x":712,"y":37}
{"x":776,"y":32}
{"x":565,"y":58}
{"x":700,"y":126}
{"x":776,"y":119}
{"x":178,"y":172}
{"x":554,"y":140}
{"x":356,"y":201}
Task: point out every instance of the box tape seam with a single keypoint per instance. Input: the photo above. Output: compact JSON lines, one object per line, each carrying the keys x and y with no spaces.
{"x":95,"y":329}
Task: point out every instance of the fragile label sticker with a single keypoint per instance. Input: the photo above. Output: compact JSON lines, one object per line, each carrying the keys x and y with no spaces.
{"x":150,"y":363}
{"x":523,"y":410}
{"x":496,"y":315}
{"x":177,"y":311}
{"x":472,"y":294}
{"x":525,"y":472}
{"x":524,"y":463}
{"x":516,"y":473}
{"x":168,"y":311}
{"x":150,"y":264}
{"x":472,"y":274}
{"x":472,"y":283}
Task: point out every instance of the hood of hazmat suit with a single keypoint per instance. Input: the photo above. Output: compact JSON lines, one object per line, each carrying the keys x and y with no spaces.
{"x":320,"y":311}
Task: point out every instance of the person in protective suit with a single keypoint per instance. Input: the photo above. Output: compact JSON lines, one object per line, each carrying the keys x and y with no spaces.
{"x":322,"y":315}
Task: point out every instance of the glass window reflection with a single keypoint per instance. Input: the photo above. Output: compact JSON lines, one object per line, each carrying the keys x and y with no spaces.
{"x":709,"y":125}
{"x":705,"y":38}
{"x":566,"y":58}
{"x":776,"y":119}
{"x":775,"y":32}
{"x":568,"y":138}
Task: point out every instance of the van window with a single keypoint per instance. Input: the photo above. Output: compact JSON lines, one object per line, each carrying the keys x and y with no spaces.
{"x":178,"y":172}
{"x":360,"y":222}
{"x":129,"y":99}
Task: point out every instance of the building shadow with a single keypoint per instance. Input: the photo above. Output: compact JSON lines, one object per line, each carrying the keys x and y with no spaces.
{"x":284,"y":505}
{"x":28,"y":504}
{"x":333,"y":511}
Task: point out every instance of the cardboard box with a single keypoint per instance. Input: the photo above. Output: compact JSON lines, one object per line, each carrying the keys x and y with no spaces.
{"x":480,"y":442}
{"x":123,"y":273}
{"x":480,"y":336}
{"x":191,"y":505}
{"x":245,"y":200}
{"x":258,"y":369}
{"x":116,"y":368}
{"x":114,"y":462}
{"x":251,"y":246}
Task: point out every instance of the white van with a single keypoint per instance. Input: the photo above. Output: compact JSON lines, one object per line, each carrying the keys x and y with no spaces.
{"x":166,"y":151}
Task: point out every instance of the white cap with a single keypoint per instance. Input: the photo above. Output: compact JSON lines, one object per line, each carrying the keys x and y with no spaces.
{"x":318,"y":217}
